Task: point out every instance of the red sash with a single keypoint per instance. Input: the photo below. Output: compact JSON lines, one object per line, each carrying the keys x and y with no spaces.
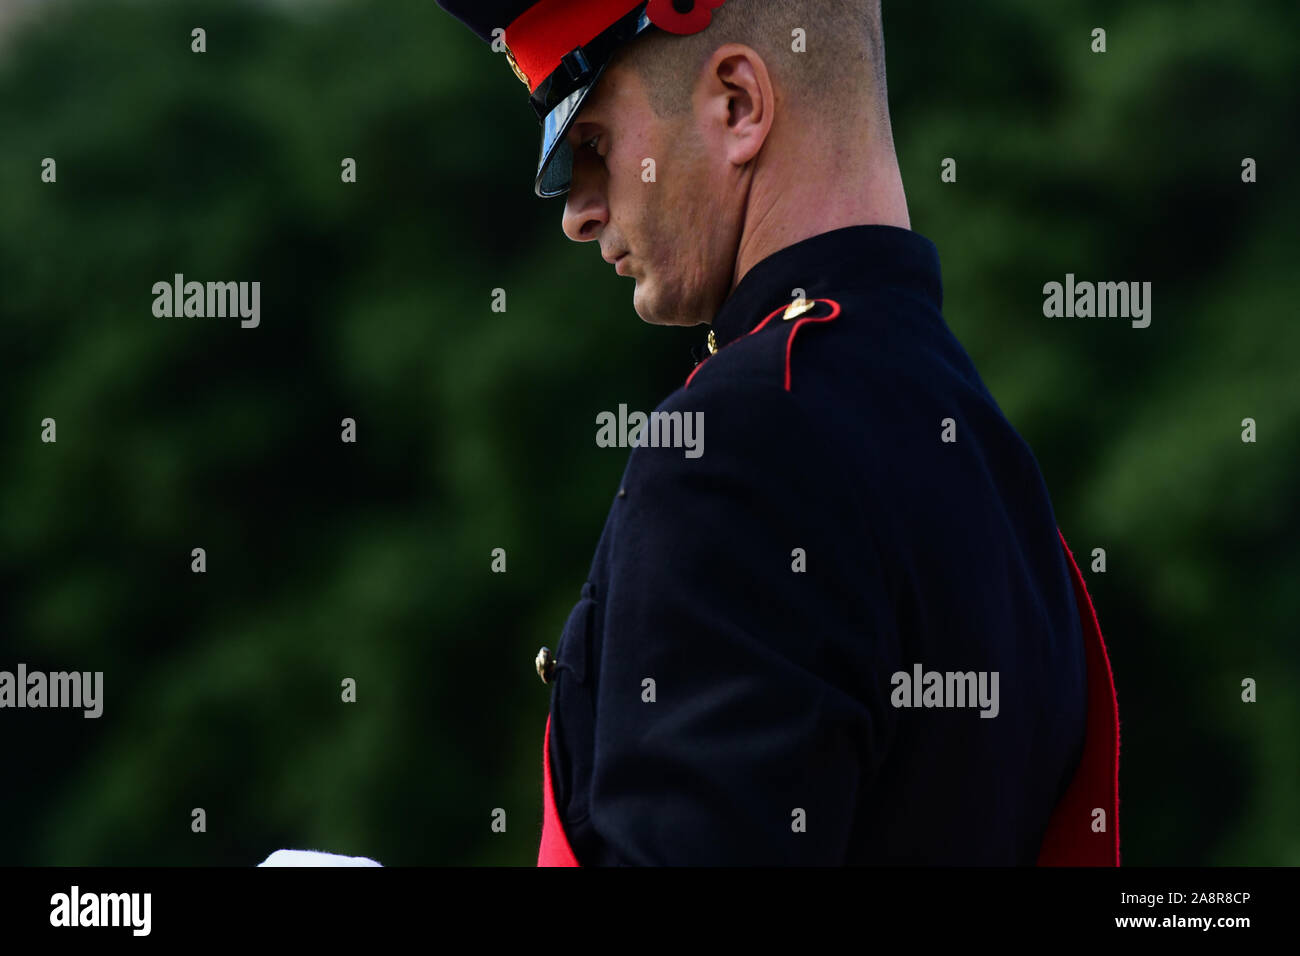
{"x":555,"y":849}
{"x":1070,"y":839}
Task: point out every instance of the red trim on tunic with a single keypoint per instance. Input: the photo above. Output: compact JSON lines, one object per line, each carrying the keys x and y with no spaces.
{"x":789,"y":343}
{"x":758,"y":328}
{"x":555,"y":849}
{"x":1070,"y":840}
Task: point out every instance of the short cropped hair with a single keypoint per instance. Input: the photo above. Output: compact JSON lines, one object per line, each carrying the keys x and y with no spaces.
{"x":841,"y":65}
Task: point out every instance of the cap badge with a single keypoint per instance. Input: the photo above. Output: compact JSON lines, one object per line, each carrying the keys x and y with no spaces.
{"x":523,"y":77}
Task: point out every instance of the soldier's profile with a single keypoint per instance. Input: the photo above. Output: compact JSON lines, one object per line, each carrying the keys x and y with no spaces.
{"x":726,"y":690}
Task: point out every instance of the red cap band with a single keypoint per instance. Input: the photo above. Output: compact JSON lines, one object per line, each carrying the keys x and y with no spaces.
{"x":548,"y":30}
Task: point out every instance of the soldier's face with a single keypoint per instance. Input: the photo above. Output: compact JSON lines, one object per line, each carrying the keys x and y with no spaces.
{"x":649,"y":189}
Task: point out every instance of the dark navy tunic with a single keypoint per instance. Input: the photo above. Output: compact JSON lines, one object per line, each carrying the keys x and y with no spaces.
{"x":724,"y":690}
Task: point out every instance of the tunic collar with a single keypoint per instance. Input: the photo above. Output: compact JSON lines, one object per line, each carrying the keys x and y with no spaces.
{"x":831,"y":264}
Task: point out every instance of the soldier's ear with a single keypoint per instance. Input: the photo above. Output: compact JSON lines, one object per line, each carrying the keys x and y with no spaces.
{"x":738,"y":96}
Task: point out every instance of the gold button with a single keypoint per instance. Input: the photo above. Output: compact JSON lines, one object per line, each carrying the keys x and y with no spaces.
{"x":797,"y":308}
{"x":713,"y":343}
{"x":545,"y":665}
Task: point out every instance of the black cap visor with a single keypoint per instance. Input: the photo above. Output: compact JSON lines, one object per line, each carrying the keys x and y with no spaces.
{"x":561,"y":95}
{"x":555,"y":163}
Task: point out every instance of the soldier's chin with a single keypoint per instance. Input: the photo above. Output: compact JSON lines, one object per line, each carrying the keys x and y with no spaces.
{"x":643,"y":302}
{"x":652,"y":308}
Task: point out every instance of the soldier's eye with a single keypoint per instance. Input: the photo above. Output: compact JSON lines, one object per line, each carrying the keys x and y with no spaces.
{"x":593,"y":142}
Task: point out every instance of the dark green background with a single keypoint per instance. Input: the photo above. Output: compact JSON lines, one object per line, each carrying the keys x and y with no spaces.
{"x":476,"y":428}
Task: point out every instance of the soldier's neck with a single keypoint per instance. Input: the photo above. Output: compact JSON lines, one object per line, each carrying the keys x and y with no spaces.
{"x":814,"y":201}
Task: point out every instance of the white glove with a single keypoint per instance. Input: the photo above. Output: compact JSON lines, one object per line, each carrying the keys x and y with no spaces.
{"x":315,"y":858}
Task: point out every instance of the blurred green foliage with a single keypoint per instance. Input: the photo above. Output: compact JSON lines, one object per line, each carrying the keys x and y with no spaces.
{"x":370,"y":561}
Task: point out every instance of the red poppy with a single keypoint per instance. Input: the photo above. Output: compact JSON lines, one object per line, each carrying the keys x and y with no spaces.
{"x":665,"y":15}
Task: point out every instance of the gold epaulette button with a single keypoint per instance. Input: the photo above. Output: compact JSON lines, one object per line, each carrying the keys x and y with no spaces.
{"x":797,"y":308}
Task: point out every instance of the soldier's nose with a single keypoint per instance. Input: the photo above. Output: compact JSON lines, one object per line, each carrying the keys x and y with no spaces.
{"x":585,"y":214}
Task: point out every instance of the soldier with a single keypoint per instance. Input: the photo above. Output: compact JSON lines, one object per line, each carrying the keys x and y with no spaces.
{"x":850,"y":630}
